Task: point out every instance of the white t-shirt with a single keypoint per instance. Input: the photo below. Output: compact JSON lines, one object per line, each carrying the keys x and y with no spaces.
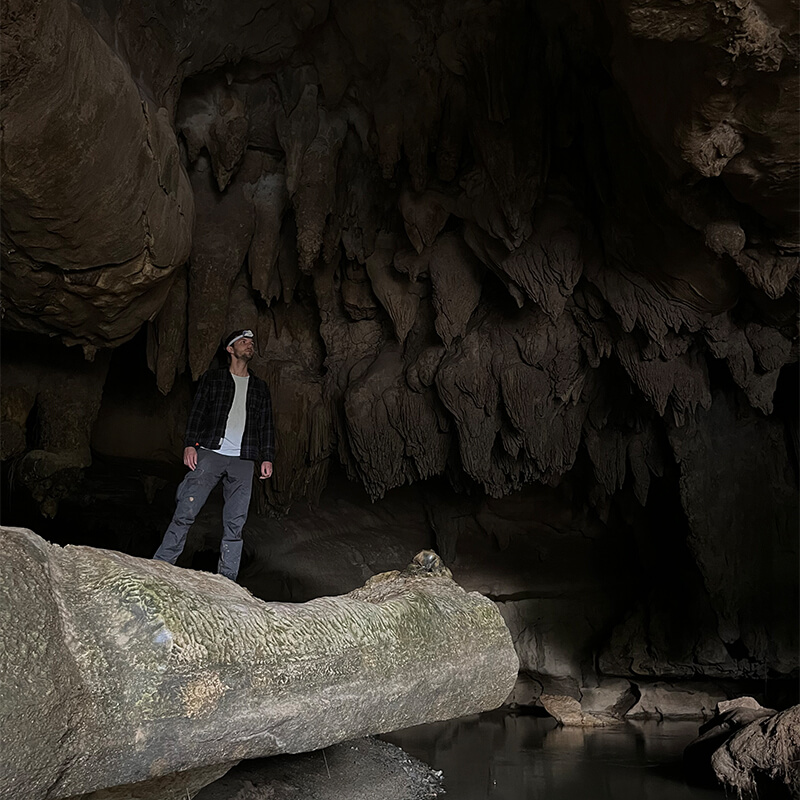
{"x":234,"y":429}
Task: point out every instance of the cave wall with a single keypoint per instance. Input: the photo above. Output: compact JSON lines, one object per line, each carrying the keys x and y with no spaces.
{"x":504,"y":247}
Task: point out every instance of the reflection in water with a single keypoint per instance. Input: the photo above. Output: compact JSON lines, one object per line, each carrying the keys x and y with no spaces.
{"x":506,"y":756}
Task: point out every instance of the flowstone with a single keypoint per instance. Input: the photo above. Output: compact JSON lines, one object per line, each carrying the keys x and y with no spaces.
{"x":117,"y":670}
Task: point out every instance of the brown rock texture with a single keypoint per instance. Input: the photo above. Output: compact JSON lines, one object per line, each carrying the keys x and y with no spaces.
{"x":97,"y":208}
{"x":761,"y":760}
{"x":506,"y":244}
{"x":567,"y":712}
{"x":414,"y":155}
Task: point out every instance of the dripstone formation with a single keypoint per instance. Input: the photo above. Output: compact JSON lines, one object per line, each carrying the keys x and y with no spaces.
{"x":543,"y":252}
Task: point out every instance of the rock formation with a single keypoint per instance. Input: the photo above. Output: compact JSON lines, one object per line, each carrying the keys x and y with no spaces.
{"x":120,"y":671}
{"x":761,"y":760}
{"x":749,"y":749}
{"x":729,"y":717}
{"x":520,"y":247}
{"x":369,"y":141}
{"x":97,"y":209}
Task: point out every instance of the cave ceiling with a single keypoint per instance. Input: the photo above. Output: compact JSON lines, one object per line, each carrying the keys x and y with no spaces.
{"x":480,"y":240}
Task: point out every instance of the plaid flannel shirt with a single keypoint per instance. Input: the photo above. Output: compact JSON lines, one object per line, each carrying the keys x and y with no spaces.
{"x":210,"y":409}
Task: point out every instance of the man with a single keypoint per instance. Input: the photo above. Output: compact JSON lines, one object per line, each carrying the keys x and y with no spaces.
{"x":230,"y":427}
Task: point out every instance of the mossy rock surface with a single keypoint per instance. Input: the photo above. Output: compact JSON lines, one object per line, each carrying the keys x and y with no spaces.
{"x":158,"y":670}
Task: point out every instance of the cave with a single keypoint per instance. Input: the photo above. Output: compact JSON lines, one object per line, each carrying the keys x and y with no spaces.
{"x":523,"y":282}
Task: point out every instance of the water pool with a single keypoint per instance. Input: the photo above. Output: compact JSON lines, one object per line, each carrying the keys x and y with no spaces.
{"x":503,"y":755}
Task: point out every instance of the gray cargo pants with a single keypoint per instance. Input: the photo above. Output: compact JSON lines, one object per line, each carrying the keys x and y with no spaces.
{"x":237,"y":484}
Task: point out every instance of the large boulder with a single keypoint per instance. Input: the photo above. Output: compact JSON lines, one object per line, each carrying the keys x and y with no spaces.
{"x":119,"y":671}
{"x":567,"y":712}
{"x":97,"y":206}
{"x":762,"y":760}
{"x":730,"y":717}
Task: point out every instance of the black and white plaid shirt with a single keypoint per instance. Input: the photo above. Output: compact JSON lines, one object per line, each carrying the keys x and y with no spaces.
{"x":210,"y":409}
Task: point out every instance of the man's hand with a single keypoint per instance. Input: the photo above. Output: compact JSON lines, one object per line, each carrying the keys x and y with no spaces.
{"x":266,"y":470}
{"x":190,"y":457}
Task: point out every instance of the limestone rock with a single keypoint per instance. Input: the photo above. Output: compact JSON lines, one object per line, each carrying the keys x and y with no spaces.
{"x":761,"y":760}
{"x":471,"y":218}
{"x":550,"y":635}
{"x":94,"y":194}
{"x":456,"y":281}
{"x":314,"y":192}
{"x":189,"y":670}
{"x":218,"y":252}
{"x":751,"y":447}
{"x":424,"y":217}
{"x":730,"y":717}
{"x":610,"y":698}
{"x":742,"y":702}
{"x":526,"y":692}
{"x":714,"y":136}
{"x":296,"y":131}
{"x":312,"y":137}
{"x":166,"y":345}
{"x":62,"y":392}
{"x":661,"y":699}
{"x":215,"y":119}
{"x":393,"y":290}
{"x":395,"y":433}
{"x":269,"y":200}
{"x":359,"y":299}
{"x":567,"y":710}
{"x":548,"y":265}
{"x":176,"y":786}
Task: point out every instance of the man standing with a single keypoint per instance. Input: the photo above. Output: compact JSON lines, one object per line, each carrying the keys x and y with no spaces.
{"x":230,"y":427}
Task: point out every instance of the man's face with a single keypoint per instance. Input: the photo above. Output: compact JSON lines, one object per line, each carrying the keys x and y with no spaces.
{"x":243,"y":349}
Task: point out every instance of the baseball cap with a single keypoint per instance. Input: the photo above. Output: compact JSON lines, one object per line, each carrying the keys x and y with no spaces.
{"x":236,"y":335}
